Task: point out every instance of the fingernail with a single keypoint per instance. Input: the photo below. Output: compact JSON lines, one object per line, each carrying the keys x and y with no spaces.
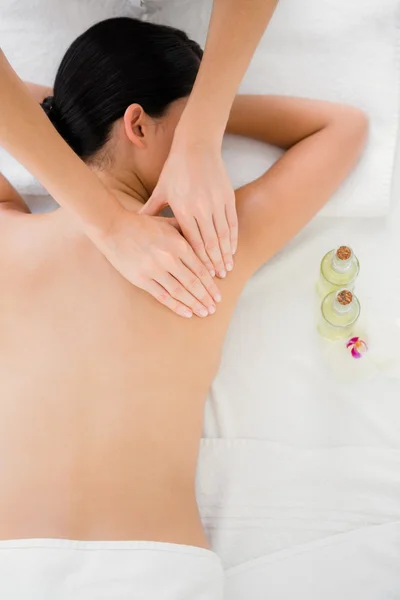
{"x":222,"y":274}
{"x":203,"y":312}
{"x":211,"y":309}
{"x":212,"y":273}
{"x":229,"y":266}
{"x":217,"y":297}
{"x":187,"y":313}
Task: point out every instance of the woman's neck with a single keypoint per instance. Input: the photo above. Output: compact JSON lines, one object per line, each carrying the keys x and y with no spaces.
{"x":126,"y":185}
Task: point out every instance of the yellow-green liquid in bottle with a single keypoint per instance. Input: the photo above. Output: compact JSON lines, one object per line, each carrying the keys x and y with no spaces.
{"x":339,"y":269}
{"x":339,"y":314}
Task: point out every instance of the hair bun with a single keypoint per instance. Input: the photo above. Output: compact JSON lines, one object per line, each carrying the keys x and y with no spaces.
{"x":48,"y":105}
{"x":56,"y":119}
{"x":50,"y":110}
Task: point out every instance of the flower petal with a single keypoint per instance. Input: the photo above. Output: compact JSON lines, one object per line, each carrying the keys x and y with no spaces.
{"x":352,"y":341}
{"x":363,"y":346}
{"x":355,"y":353}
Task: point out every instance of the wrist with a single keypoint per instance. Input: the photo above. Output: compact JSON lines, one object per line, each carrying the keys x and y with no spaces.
{"x":102,"y":231}
{"x":189,"y":138}
{"x":205,"y":116}
{"x":206,"y":132}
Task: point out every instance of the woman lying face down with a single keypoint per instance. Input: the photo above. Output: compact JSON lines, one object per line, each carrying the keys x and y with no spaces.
{"x":102,"y":388}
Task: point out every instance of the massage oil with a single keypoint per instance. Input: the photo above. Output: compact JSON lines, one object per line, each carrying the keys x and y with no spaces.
{"x":339,"y":269}
{"x":339,"y":314}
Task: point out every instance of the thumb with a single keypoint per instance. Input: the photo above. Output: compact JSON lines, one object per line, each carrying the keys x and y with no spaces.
{"x":153,"y":206}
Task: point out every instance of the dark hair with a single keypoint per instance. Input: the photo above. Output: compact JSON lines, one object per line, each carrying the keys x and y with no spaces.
{"x":113,"y":64}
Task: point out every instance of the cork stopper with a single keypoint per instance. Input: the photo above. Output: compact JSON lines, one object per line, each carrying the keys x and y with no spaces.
{"x":344,"y":297}
{"x":343,"y":253}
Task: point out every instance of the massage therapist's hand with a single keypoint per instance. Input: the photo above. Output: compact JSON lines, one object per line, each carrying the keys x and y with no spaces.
{"x":153,"y":255}
{"x":195,"y":184}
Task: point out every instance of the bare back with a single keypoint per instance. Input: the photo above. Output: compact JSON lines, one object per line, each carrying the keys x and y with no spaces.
{"x":102,"y":390}
{"x":102,"y":394}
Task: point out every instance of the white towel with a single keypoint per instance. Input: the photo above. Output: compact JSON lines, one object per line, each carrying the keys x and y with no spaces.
{"x":330,"y":49}
{"x":61,"y":569}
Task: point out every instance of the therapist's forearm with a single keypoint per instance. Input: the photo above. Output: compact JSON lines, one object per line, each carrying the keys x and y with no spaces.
{"x":27,"y":134}
{"x":236,"y":28}
{"x":37,"y":91}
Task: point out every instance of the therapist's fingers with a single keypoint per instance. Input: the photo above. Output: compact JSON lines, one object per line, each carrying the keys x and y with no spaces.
{"x":232,"y":218}
{"x":190,"y":230}
{"x":211,"y":243}
{"x":197,"y":267}
{"x":224,"y":237}
{"x":180,"y":292}
{"x":164,"y":297}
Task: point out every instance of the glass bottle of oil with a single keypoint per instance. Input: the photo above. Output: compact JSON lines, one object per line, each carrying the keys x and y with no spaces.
{"x":339,"y":314}
{"x":339,"y":269}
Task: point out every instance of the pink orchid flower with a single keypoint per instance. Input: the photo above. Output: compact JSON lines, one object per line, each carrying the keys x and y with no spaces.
{"x":358,"y":347}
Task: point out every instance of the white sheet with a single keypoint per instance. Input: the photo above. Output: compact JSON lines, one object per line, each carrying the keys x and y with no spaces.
{"x":302,"y":441}
{"x":331,"y":49}
{"x":362,"y":564}
{"x":259,"y":498}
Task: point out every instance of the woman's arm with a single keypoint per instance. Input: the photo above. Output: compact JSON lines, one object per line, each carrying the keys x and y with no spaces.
{"x":9,"y":197}
{"x":324,"y":141}
{"x":194,"y":181}
{"x":283,"y":121}
{"x":142,"y":249}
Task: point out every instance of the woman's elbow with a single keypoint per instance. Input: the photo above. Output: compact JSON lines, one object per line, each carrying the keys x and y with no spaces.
{"x":349,"y":128}
{"x":355,"y":123}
